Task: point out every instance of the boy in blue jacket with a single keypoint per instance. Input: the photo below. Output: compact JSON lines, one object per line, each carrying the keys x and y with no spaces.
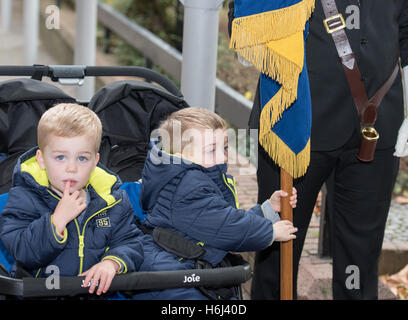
{"x":65,"y":209}
{"x":186,"y":189}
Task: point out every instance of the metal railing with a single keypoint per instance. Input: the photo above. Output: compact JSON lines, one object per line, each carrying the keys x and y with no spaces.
{"x":230,"y":104}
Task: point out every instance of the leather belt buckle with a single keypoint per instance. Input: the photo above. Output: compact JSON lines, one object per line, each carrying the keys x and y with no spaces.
{"x":369,"y":133}
{"x":334,"y":23}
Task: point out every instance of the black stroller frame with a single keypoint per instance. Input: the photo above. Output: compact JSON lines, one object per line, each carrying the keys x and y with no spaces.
{"x":28,"y":287}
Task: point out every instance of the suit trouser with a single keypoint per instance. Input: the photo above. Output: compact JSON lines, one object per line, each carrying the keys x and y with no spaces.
{"x":360,"y":194}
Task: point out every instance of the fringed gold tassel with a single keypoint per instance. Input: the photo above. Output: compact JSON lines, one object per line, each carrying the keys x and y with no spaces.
{"x":274,"y":65}
{"x":274,"y":108}
{"x":273,"y":25}
{"x":295,"y":164}
{"x":249,"y":39}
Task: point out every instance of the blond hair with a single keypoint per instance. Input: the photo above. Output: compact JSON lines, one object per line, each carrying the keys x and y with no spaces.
{"x":69,"y":120}
{"x":189,"y":118}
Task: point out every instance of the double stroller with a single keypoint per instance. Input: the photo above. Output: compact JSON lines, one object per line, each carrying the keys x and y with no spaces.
{"x":129,"y":111}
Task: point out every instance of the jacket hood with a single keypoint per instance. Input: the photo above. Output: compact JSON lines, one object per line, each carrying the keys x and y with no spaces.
{"x":160,"y":168}
{"x":27,"y":172}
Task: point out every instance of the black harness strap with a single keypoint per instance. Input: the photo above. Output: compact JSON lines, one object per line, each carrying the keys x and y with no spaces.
{"x":174,"y":243}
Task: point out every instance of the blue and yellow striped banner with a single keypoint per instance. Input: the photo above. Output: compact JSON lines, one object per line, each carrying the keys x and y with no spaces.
{"x":271,"y":35}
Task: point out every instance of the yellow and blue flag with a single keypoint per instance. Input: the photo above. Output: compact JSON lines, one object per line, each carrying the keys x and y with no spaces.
{"x":271,"y":35}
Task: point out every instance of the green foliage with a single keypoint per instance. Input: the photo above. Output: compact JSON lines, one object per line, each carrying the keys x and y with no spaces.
{"x":162,"y":17}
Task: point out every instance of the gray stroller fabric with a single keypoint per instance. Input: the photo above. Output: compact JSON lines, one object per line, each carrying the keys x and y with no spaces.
{"x":129,"y":111}
{"x":22,"y":102}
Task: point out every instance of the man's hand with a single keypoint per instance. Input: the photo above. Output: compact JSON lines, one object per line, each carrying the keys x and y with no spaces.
{"x":401,"y":147}
{"x":275,"y":199}
{"x":68,"y":208}
{"x":102,"y":275}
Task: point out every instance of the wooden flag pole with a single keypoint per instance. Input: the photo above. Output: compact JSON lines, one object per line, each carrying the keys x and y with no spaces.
{"x":286,"y":261}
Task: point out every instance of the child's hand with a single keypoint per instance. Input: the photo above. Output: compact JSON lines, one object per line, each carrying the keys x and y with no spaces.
{"x":275,"y":199}
{"x":284,"y":230}
{"x":102,"y":275}
{"x":68,"y":208}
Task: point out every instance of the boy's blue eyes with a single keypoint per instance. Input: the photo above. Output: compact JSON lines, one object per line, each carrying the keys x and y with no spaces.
{"x":80,"y":159}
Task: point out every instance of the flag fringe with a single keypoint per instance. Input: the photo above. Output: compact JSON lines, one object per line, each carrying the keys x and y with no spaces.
{"x":249,"y":38}
{"x":295,"y":164}
{"x":274,"y":65}
{"x":274,"y":108}
{"x":272,"y":25}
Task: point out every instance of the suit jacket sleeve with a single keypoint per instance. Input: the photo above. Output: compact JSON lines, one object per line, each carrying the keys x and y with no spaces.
{"x":403,"y":21}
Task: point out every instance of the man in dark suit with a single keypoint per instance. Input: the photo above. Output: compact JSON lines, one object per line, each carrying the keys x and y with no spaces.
{"x":361,"y":192}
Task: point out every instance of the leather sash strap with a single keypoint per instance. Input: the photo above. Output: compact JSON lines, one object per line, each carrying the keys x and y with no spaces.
{"x":366,"y":108}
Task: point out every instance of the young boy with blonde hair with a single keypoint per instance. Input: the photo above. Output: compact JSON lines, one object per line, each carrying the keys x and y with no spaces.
{"x":186,"y":189}
{"x":65,"y":209}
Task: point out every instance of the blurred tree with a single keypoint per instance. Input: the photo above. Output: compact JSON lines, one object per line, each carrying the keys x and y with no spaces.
{"x":162,"y":17}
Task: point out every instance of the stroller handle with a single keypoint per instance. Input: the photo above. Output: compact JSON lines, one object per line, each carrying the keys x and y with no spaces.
{"x":72,"y":286}
{"x":57,"y":72}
